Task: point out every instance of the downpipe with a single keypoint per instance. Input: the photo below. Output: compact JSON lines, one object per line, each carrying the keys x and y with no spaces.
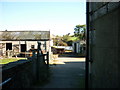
{"x":87,"y":47}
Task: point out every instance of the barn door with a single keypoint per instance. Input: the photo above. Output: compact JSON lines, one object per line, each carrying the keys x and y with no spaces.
{"x":8,"y":46}
{"x":23,"y":47}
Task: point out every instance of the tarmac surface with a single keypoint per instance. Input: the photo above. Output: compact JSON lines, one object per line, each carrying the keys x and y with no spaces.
{"x":66,"y":72}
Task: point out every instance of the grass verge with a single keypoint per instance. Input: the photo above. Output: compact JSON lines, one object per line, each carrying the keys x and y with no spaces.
{"x":8,"y":60}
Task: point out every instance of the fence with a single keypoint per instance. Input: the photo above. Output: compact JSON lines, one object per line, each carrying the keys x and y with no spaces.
{"x":24,"y":73}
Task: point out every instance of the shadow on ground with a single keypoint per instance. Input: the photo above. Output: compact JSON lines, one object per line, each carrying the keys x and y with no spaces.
{"x":68,"y":74}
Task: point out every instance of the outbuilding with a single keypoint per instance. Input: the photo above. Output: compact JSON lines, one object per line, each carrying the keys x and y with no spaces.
{"x":17,"y":42}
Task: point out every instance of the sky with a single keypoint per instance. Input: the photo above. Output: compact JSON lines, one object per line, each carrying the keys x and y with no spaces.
{"x":60,"y":17}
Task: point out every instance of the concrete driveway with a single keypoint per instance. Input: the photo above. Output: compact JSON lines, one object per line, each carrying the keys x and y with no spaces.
{"x":66,"y":72}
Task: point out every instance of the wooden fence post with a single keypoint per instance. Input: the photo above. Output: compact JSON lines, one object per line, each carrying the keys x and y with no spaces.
{"x":47,"y":64}
{"x":33,"y":53}
{"x":48,"y":60}
{"x":38,"y":62}
{"x":34,"y":65}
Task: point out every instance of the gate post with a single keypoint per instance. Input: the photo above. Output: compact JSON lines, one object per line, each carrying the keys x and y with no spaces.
{"x":48,"y":60}
{"x":37,"y":62}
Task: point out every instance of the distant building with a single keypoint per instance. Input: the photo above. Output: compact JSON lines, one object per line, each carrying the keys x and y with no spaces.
{"x":79,"y":46}
{"x":23,"y":41}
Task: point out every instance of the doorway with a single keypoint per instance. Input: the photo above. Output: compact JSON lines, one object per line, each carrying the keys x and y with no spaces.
{"x":8,"y":46}
{"x":23,"y":47}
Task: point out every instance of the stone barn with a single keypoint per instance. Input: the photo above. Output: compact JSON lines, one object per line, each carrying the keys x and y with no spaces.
{"x":17,"y":42}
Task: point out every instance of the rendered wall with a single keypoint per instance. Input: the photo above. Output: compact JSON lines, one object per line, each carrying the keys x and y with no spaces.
{"x":104,"y":44}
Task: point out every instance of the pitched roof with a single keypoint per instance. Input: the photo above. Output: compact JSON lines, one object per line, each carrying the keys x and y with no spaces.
{"x":24,"y":35}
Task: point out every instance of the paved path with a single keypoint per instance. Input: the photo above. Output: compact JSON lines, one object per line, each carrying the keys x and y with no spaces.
{"x":66,"y":73}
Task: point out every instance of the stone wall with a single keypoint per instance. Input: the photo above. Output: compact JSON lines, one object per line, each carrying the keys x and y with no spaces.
{"x":104,"y":44}
{"x":25,"y":73}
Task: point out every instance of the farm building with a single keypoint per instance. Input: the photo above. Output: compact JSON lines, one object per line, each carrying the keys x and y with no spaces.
{"x":79,"y":46}
{"x":17,"y":42}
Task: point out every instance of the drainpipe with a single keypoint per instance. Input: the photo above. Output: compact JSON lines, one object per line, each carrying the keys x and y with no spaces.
{"x":87,"y":47}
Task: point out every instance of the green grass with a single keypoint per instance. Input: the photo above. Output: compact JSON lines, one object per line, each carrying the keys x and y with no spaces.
{"x":8,"y":60}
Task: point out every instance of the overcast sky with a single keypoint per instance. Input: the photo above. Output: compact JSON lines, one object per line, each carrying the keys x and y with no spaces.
{"x":60,"y":17}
